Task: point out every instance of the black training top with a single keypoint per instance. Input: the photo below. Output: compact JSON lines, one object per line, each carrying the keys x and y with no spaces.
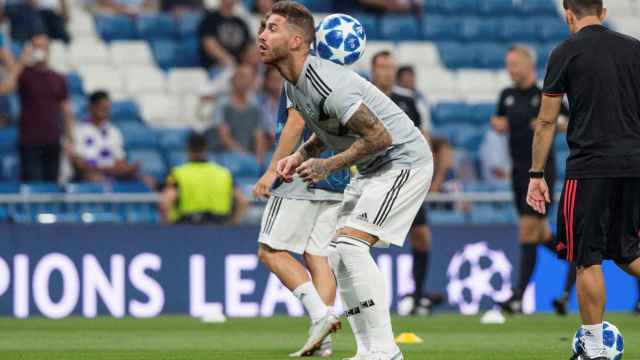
{"x":521,"y":107}
{"x":599,"y":70}
{"x":407,"y":102}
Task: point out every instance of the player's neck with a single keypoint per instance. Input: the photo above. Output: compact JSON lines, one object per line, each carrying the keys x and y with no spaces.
{"x":527,"y":84}
{"x":587,"y":21}
{"x":291,"y":69}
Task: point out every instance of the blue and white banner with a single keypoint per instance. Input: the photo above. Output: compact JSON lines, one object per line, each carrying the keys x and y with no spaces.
{"x":145,"y":271}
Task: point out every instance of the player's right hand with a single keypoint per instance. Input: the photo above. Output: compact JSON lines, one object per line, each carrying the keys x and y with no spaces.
{"x":261,"y":190}
{"x":287,"y":167}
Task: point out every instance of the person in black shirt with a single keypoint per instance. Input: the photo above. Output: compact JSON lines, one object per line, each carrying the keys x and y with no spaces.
{"x":516,"y":114}
{"x":599,"y":217}
{"x":383,"y":73}
{"x":223,"y":36}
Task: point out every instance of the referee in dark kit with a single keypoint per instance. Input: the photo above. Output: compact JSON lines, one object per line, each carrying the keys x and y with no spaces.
{"x":599,"y":216}
{"x":516,"y":113}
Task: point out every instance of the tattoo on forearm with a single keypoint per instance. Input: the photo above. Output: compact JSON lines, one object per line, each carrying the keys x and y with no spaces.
{"x":374,"y":138}
{"x":312,"y":148}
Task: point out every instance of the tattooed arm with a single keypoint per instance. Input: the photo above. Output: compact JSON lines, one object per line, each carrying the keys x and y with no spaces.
{"x":373,"y":138}
{"x":288,"y":166}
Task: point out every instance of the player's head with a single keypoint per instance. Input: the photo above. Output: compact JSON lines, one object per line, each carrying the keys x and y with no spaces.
{"x":288,"y":28}
{"x":99,"y":106}
{"x":521,"y":64}
{"x":197,"y":146}
{"x":383,"y":70}
{"x":406,"y":77}
{"x":576,"y":10}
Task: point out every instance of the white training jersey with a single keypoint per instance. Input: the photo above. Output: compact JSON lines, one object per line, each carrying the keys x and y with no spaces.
{"x":327,"y":95}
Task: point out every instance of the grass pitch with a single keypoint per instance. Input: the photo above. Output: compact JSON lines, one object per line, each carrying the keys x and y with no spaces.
{"x":447,"y":336}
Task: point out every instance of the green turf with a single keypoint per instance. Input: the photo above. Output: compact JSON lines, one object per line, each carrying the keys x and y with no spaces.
{"x":446,"y":337}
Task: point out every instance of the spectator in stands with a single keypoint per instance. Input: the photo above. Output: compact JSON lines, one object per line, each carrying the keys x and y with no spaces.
{"x":223,"y":37}
{"x":269,"y":99}
{"x":8,"y":80}
{"x":125,"y":7}
{"x":377,"y":6}
{"x":200,"y":192}
{"x":495,"y":160}
{"x":262,"y":7}
{"x":179,"y":7}
{"x":30,"y":17}
{"x":239,"y":119}
{"x":98,"y":154}
{"x":46,"y":116}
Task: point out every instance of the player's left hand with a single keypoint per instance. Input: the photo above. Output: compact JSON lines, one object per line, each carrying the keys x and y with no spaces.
{"x":538,"y":195}
{"x":313,"y":170}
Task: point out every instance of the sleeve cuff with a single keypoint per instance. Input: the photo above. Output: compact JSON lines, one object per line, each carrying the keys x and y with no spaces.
{"x":553,"y":94}
{"x":352,"y":110}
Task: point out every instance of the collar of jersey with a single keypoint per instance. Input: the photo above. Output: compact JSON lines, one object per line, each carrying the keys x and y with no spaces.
{"x":304,"y":70}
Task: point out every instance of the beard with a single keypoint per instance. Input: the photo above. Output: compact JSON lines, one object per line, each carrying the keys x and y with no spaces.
{"x":274,"y":56}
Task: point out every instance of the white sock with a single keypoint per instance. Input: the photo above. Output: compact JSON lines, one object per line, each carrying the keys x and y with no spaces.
{"x":311,"y":301}
{"x":593,"y":342}
{"x":362,"y":288}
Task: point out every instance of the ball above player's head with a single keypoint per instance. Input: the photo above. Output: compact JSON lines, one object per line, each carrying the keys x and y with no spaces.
{"x":340,"y":38}
{"x":611,"y":337}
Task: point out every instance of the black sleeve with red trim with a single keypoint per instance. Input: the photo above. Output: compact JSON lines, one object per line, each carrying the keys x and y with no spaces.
{"x":555,"y":81}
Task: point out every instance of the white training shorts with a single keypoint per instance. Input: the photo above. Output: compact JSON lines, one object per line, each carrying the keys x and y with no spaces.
{"x":299,"y":226}
{"x":385,"y":204}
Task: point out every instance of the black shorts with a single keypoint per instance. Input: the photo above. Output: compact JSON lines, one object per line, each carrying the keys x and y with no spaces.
{"x":521,"y":188}
{"x":421,"y":217}
{"x":599,"y":219}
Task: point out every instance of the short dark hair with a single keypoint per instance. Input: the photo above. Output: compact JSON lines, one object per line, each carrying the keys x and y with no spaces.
{"x":405,"y":69}
{"x":378,"y":55}
{"x":584,"y":8}
{"x":97,"y":96}
{"x":297,"y":15}
{"x":197,"y":143}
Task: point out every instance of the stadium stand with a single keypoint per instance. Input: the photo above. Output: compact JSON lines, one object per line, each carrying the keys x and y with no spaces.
{"x":150,"y":65}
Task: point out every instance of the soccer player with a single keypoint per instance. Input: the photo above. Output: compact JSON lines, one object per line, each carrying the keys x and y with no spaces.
{"x":383,"y":75}
{"x":516,"y":114}
{"x":300,"y":219}
{"x":599,"y":70}
{"x":352,"y":117}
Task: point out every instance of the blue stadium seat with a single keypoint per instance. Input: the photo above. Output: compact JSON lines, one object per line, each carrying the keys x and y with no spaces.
{"x":481,"y":114}
{"x":8,"y":139}
{"x":440,"y":28}
{"x":496,"y":7}
{"x":188,"y":53}
{"x":455,"y":55}
{"x":488,"y":55}
{"x":136,"y":135}
{"x":80,"y":106}
{"x":9,"y":166}
{"x":187,"y":26}
{"x":151,"y":162}
{"x":129,"y":187}
{"x":443,"y":217}
{"x":551,"y":29}
{"x":85,"y":188}
{"x":458,"y":7}
{"x":240,"y":165}
{"x":560,"y":143}
{"x":478,"y":29}
{"x":515,"y":29}
{"x":115,"y":27}
{"x":157,"y":26}
{"x":399,"y":27}
{"x":173,"y":139}
{"x":487,"y":214}
{"x":321,"y":6}
{"x":543,"y":51}
{"x":538,"y":7}
{"x":74,"y":84}
{"x":40,"y":188}
{"x":165,"y":53}
{"x":370,"y":24}
{"x":124,"y":110}
{"x":176,"y":158}
{"x":445,"y":114}
{"x":9,"y":187}
{"x":245,"y":184}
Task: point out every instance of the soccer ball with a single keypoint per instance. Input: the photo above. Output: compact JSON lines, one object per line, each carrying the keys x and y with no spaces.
{"x":612,"y":341}
{"x":340,"y":38}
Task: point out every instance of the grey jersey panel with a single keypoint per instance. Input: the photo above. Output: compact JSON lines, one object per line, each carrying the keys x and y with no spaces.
{"x":298,"y":189}
{"x":327,"y":95}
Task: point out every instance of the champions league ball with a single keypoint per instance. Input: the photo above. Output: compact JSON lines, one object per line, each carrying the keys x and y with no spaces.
{"x":612,"y":341}
{"x":340,"y":38}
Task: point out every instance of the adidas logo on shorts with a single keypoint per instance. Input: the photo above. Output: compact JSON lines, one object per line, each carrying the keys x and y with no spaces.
{"x":363,"y":217}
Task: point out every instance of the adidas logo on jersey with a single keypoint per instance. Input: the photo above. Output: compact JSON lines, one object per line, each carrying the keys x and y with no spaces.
{"x":363,"y":217}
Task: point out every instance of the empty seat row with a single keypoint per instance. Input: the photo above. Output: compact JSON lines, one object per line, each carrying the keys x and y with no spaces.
{"x":147,"y":26}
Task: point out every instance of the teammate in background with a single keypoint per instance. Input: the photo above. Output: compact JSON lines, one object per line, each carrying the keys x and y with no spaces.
{"x":599,"y":70}
{"x":383,"y":75}
{"x":365,"y":128}
{"x":516,"y":114}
